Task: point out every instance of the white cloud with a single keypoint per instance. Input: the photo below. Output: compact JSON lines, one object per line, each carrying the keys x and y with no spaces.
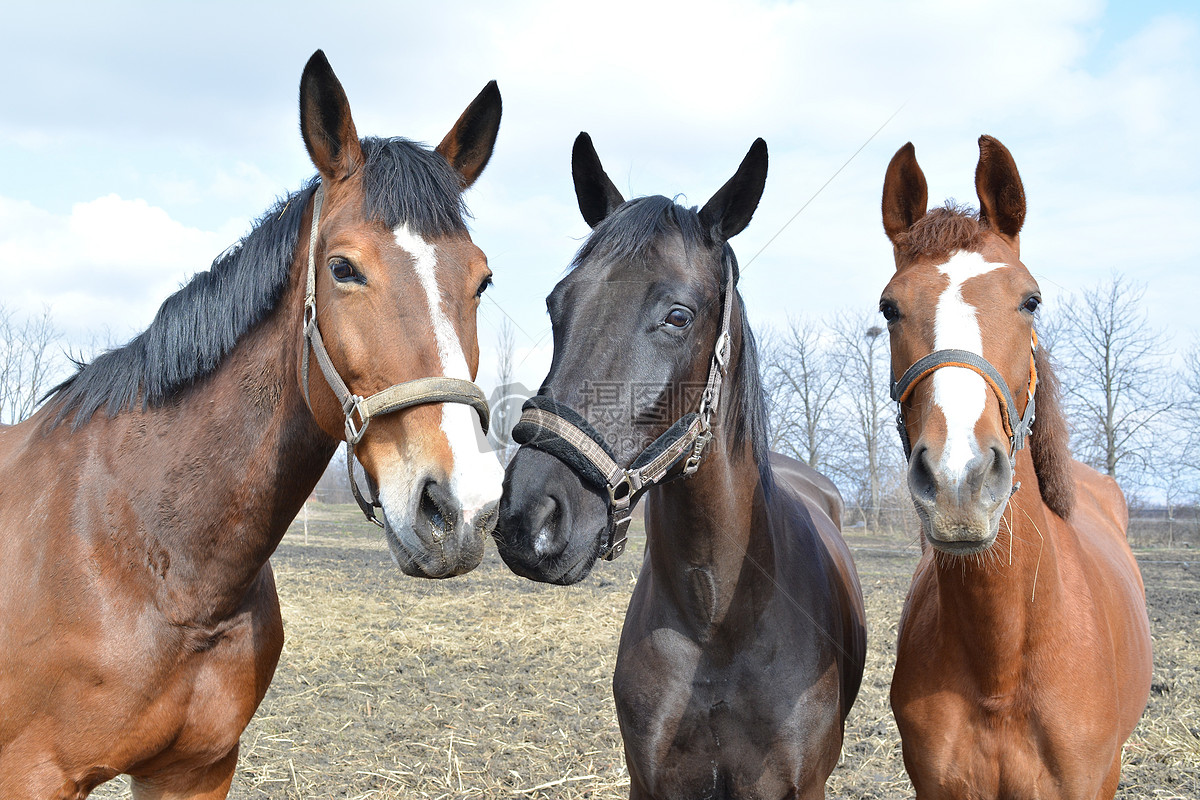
{"x":109,"y":263}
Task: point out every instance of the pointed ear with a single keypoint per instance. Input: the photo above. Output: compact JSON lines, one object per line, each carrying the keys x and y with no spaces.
{"x":597,"y":195}
{"x":905,"y":193}
{"x":325,"y":121}
{"x":728,"y":212}
{"x":998,"y":185}
{"x":469,"y":144}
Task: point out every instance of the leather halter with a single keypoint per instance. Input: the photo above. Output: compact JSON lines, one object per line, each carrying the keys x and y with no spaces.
{"x":361,"y":410}
{"x":1017,"y":428}
{"x":559,"y":430}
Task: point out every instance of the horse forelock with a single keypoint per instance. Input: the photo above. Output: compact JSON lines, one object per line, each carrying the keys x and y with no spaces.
{"x":403,"y":184}
{"x":941,"y":232}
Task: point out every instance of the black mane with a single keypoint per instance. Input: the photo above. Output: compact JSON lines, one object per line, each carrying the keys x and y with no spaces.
{"x":195,"y":328}
{"x":629,"y":234}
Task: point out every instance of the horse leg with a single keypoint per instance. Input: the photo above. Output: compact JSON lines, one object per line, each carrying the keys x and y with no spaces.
{"x":1109,"y":788}
{"x":205,"y":783}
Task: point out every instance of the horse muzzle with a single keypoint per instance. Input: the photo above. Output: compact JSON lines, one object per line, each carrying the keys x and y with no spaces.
{"x":435,"y":537}
{"x":960,"y":511}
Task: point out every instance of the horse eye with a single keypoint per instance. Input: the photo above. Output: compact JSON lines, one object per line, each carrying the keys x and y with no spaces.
{"x":343,"y":270}
{"x":1031,"y":305}
{"x":678,"y":318}
{"x":483,"y":286}
{"x":889,"y":310}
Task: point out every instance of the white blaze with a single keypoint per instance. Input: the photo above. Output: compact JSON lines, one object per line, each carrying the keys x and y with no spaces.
{"x":960,"y":393}
{"x":475,"y":474}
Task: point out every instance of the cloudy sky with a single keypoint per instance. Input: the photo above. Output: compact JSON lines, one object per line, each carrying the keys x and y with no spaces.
{"x":139,"y":140}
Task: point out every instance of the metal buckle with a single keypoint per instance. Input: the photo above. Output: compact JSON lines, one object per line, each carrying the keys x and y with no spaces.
{"x":721,"y":352}
{"x":355,"y":432}
{"x":620,"y":494}
{"x":620,"y":535}
{"x":693,"y":462}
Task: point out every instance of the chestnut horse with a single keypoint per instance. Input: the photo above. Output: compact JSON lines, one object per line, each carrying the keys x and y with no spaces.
{"x":1023,"y":661}
{"x":744,"y":641}
{"x":139,"y":625}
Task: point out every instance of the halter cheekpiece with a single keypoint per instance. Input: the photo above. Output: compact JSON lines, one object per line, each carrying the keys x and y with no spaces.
{"x":559,"y":430}
{"x":361,"y":410}
{"x":1017,"y":428}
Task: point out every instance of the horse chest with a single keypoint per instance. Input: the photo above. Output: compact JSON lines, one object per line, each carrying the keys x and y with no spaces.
{"x":758,"y":722}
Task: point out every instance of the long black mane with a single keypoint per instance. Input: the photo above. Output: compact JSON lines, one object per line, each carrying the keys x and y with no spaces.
{"x":196,"y":328}
{"x":630,"y":234}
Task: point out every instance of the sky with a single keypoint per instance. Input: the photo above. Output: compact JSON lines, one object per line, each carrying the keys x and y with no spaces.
{"x":139,"y":140}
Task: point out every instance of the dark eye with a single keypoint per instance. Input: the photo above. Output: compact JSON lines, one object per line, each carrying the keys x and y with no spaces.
{"x":1031,"y":305}
{"x":678,"y":318}
{"x":344,"y":271}
{"x":889,"y":310}
{"x":484,"y":284}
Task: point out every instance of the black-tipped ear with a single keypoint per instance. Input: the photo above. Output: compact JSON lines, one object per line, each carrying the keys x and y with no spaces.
{"x":998,"y":185}
{"x":469,"y":144}
{"x":728,"y":212}
{"x":597,"y":195}
{"x":325,"y":121}
{"x":905,"y":193}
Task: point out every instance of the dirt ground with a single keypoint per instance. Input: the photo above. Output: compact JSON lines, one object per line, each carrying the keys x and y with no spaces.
{"x":492,"y":686}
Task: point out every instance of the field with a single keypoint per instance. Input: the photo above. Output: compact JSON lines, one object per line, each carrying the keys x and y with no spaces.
{"x":491,"y":686}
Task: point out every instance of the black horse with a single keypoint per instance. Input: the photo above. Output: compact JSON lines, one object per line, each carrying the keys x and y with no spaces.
{"x":744,"y":642}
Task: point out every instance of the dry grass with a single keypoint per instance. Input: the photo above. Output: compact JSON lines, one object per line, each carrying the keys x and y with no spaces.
{"x":491,"y":686}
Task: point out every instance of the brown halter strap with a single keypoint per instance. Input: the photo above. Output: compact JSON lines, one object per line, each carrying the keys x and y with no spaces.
{"x":361,"y":410}
{"x":1017,"y":428}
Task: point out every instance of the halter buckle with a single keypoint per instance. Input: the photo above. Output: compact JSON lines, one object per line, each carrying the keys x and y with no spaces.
{"x":620,"y":494}
{"x":356,"y":431}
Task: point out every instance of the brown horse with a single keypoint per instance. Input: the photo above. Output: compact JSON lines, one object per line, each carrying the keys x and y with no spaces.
{"x":139,"y":625}
{"x":1023,"y":661}
{"x":743,"y":646}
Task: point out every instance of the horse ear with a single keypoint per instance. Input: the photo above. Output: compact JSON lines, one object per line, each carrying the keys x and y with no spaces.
{"x":325,"y":121}
{"x":998,"y":185}
{"x":905,"y":193}
{"x":728,"y":212}
{"x":595,"y":192}
{"x":469,"y":144}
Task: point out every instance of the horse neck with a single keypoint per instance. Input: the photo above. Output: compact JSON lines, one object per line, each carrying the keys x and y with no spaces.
{"x":234,"y":460}
{"x":707,"y":537}
{"x":1000,"y":604}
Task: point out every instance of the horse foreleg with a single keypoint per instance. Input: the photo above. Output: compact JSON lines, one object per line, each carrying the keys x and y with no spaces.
{"x":1109,"y":788}
{"x":205,"y":783}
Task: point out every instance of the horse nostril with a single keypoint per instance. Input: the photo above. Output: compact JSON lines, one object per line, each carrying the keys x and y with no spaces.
{"x":437,"y":509}
{"x":920,"y":476}
{"x":543,"y":524}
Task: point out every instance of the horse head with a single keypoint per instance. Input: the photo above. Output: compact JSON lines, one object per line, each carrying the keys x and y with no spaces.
{"x":640,"y":324}
{"x":396,"y":283}
{"x":960,"y":314}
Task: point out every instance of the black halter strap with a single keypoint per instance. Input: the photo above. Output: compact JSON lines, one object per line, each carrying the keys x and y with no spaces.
{"x":557,"y":429}
{"x":1017,"y":427}
{"x":361,"y":410}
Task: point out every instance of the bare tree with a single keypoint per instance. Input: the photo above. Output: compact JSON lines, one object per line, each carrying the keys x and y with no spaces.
{"x":802,"y":379}
{"x":1114,"y":373}
{"x":27,"y":363}
{"x":867,"y":405}
{"x":504,"y":415}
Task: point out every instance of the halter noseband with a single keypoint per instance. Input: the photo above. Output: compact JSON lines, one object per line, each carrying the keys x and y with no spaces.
{"x":559,"y":430}
{"x":1017,"y":428}
{"x":361,"y":410}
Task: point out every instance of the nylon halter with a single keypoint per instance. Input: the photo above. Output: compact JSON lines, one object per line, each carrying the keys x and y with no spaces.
{"x":559,"y":430}
{"x":361,"y":410}
{"x":1017,"y":428}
